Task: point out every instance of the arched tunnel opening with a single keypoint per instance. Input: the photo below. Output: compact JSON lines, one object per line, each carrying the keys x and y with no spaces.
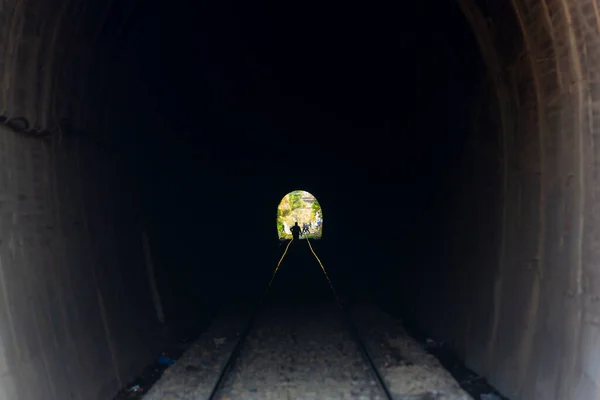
{"x":144,"y":143}
{"x":302,"y":209}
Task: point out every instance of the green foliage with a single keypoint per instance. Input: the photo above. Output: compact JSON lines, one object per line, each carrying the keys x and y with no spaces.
{"x":283,"y":211}
{"x":315,"y":207}
{"x":296,"y":199}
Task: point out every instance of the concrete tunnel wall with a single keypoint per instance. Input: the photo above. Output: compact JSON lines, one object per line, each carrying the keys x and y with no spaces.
{"x":77,"y":318}
{"x":74,"y":289}
{"x":520,"y":283}
{"x":522,"y":309}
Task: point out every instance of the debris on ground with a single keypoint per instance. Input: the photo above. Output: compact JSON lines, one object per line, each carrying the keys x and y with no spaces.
{"x":196,"y":371}
{"x":134,"y":388}
{"x":161,"y":366}
{"x":163,"y":359}
{"x":138,"y":388}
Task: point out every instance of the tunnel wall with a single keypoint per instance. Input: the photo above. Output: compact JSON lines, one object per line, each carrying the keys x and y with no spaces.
{"x":520,"y":290}
{"x":58,"y":67}
{"x":76,"y":308}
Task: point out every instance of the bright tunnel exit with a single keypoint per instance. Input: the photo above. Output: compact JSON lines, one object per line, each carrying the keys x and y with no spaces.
{"x":301,"y":207}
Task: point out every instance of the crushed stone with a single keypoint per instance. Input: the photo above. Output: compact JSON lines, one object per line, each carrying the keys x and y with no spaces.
{"x":307,"y":353}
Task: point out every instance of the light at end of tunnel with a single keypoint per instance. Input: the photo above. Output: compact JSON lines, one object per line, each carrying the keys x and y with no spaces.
{"x":301,"y":212}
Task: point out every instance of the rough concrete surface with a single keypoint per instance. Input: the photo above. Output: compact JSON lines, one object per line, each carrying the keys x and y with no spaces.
{"x":519,"y":298}
{"x":71,"y":315}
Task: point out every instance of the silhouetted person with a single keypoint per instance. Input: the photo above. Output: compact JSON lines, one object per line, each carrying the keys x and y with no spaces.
{"x":295,"y":231}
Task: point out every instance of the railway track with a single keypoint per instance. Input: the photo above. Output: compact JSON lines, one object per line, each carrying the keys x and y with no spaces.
{"x":363,"y":375}
{"x":311,"y":351}
{"x":306,"y":354}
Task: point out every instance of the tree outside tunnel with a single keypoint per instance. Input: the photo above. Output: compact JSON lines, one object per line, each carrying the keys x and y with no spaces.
{"x":301,"y":207}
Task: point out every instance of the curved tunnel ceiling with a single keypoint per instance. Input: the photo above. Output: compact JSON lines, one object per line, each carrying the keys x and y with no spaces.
{"x":65,"y":61}
{"x":302,"y":87}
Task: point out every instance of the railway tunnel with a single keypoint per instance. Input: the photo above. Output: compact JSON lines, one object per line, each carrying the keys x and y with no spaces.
{"x":145,"y":146}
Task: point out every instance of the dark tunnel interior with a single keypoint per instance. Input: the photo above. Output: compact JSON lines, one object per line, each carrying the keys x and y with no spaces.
{"x":450,"y":144}
{"x":284,"y":106}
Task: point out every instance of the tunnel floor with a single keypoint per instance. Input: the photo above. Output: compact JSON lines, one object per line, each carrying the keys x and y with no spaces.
{"x":303,"y":342}
{"x":306,"y":352}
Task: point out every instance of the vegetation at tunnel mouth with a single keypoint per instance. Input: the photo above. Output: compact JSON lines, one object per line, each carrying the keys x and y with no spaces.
{"x":301,"y":207}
